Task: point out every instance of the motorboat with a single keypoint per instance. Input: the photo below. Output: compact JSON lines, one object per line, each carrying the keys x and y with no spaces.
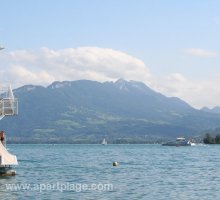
{"x":180,"y":141}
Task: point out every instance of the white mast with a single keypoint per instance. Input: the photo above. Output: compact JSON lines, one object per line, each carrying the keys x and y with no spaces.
{"x":8,"y":104}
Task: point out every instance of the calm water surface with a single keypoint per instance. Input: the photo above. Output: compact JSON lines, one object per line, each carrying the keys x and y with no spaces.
{"x":145,"y":172}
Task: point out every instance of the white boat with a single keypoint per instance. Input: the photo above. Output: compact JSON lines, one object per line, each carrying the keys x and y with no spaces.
{"x":104,"y":142}
{"x":180,"y":141}
{"x":8,"y":107}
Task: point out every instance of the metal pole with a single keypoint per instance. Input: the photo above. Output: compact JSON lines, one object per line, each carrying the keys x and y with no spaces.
{"x":1,"y":48}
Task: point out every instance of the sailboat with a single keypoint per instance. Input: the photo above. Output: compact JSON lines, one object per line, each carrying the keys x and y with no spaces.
{"x":104,"y":142}
{"x":8,"y":107}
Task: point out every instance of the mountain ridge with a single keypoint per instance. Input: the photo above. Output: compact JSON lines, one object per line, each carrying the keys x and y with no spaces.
{"x":215,"y":109}
{"x":85,"y":111}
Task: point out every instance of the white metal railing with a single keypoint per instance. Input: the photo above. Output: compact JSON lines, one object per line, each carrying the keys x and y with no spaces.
{"x":8,"y":106}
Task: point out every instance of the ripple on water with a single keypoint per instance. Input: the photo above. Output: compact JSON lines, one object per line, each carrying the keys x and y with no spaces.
{"x":145,"y":171}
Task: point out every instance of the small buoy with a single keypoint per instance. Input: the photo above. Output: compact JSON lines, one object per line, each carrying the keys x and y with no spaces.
{"x":115,"y":164}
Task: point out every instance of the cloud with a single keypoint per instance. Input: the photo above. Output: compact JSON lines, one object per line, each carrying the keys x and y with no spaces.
{"x":202,"y":52}
{"x":21,"y":76}
{"x":198,"y":93}
{"x":45,"y":65}
{"x":177,"y":77}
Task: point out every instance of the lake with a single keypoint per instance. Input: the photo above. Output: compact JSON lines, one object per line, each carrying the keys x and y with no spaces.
{"x":85,"y":172}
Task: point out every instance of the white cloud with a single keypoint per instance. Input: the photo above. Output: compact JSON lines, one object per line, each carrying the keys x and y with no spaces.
{"x":177,"y":77}
{"x":19,"y":75}
{"x":202,"y":52}
{"x":198,"y":93}
{"x":45,"y":65}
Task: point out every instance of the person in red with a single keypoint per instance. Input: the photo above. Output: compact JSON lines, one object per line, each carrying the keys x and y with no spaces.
{"x":2,"y":137}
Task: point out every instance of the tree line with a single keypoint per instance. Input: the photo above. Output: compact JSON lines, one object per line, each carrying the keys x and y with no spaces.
{"x":211,"y":140}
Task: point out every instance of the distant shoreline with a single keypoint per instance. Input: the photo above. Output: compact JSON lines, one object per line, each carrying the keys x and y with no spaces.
{"x":78,"y":143}
{"x":95,"y":141}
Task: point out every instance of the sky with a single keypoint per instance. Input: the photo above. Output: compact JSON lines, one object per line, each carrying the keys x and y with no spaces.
{"x":172,"y":46}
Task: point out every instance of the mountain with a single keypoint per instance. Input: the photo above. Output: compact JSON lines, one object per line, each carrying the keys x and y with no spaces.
{"x":216,"y":109}
{"x":87,"y":111}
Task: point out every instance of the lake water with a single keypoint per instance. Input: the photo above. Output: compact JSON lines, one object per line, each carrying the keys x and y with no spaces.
{"x":85,"y":172}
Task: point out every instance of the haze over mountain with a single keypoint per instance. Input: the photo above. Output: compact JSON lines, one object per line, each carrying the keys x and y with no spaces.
{"x":86,"y":111}
{"x":216,"y":109}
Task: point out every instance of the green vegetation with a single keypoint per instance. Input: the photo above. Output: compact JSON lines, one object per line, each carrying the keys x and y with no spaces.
{"x":88,"y":111}
{"x":211,"y":140}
